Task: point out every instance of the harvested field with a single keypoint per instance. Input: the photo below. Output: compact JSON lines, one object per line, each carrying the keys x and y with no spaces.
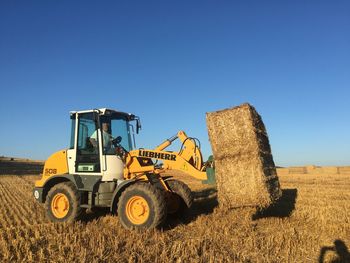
{"x":310,"y":223}
{"x":244,"y":168}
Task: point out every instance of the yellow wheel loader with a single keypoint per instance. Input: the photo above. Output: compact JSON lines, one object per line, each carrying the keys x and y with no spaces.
{"x":103,"y":168}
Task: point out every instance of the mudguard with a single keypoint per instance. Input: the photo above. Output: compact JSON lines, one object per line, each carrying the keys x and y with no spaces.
{"x":82,"y":183}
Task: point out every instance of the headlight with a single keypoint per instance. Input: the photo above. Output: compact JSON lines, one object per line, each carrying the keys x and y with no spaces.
{"x":36,"y":194}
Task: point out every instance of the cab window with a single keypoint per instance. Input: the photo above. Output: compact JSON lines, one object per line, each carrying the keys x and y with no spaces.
{"x":88,"y":159}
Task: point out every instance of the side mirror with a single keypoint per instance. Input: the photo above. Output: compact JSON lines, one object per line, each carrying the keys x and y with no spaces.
{"x":138,"y":125}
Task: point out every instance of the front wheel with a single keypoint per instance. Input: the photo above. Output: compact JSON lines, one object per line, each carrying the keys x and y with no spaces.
{"x":63,"y":203}
{"x":142,"y":205}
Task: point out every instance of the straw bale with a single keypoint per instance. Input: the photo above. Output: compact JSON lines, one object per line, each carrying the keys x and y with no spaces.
{"x":311,"y":169}
{"x":330,"y":169}
{"x":344,"y":169}
{"x":298,"y":170}
{"x":244,"y":168}
{"x":282,"y":171}
{"x":318,"y":170}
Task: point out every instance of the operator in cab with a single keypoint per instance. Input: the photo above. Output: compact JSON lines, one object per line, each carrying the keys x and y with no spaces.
{"x":108,"y":147}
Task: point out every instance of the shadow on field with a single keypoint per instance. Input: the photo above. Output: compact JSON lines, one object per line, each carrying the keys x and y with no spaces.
{"x":339,"y":248}
{"x":95,"y":214}
{"x":282,"y":208}
{"x":204,"y":203}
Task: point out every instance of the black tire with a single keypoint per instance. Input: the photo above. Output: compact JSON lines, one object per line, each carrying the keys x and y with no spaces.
{"x":69,"y":192}
{"x":181,"y":195}
{"x":148,"y":201}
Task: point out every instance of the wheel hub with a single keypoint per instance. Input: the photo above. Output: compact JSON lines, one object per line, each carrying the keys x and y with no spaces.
{"x":60,"y":205}
{"x":137,"y":210}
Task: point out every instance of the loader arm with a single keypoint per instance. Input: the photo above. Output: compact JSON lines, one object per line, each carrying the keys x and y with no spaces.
{"x":189,"y":149}
{"x":188,"y":159}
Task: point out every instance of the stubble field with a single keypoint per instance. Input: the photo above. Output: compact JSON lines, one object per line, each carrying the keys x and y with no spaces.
{"x":311,"y":223}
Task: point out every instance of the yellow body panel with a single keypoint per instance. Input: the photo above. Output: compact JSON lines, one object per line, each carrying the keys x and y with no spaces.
{"x":56,"y":164}
{"x":171,"y":160}
{"x":188,"y":160}
{"x":182,"y":165}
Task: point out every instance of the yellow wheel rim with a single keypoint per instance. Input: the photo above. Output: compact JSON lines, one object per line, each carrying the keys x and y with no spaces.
{"x":137,"y":210}
{"x":60,"y":205}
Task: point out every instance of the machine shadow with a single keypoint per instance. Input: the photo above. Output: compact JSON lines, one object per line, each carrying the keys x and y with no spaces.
{"x":204,"y":203}
{"x":282,"y":208}
{"x":95,"y":214}
{"x":339,"y":248}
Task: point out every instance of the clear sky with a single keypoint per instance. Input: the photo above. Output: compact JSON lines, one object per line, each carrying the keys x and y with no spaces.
{"x":170,"y":62}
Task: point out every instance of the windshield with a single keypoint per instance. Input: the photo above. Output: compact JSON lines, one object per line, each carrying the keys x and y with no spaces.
{"x":112,"y":127}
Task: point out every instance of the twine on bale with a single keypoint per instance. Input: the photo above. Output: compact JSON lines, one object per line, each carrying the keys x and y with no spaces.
{"x":244,"y":168}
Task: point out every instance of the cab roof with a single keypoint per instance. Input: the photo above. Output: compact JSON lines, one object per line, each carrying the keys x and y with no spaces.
{"x":105,"y":111}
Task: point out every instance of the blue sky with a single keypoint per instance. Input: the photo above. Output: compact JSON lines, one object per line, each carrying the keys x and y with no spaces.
{"x":170,"y":62}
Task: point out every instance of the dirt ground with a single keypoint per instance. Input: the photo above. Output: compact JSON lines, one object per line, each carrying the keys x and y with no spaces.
{"x":311,"y":223}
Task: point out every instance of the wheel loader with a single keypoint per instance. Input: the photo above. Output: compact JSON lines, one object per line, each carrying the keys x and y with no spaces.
{"x":103,"y":168}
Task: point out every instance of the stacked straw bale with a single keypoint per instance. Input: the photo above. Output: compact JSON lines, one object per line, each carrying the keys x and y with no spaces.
{"x":244,"y":168}
{"x":344,"y":169}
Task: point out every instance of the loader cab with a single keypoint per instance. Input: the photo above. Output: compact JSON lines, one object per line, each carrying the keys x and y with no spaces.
{"x":96,"y":136}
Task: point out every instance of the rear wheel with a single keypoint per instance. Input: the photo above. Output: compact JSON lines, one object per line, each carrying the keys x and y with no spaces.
{"x":142,"y":205}
{"x":63,"y":203}
{"x":180,"y":199}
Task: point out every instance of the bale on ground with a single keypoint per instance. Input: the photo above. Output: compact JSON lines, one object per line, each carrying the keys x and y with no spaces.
{"x":297,"y":170}
{"x":282,"y":171}
{"x":311,"y":169}
{"x":330,"y":169}
{"x":344,"y":169}
{"x":244,"y":168}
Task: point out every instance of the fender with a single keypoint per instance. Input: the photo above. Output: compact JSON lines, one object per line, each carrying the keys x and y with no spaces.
{"x":81,"y":182}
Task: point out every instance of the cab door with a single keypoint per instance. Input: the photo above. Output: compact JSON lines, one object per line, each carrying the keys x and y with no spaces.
{"x":87,"y":145}
{"x":113,"y":165}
